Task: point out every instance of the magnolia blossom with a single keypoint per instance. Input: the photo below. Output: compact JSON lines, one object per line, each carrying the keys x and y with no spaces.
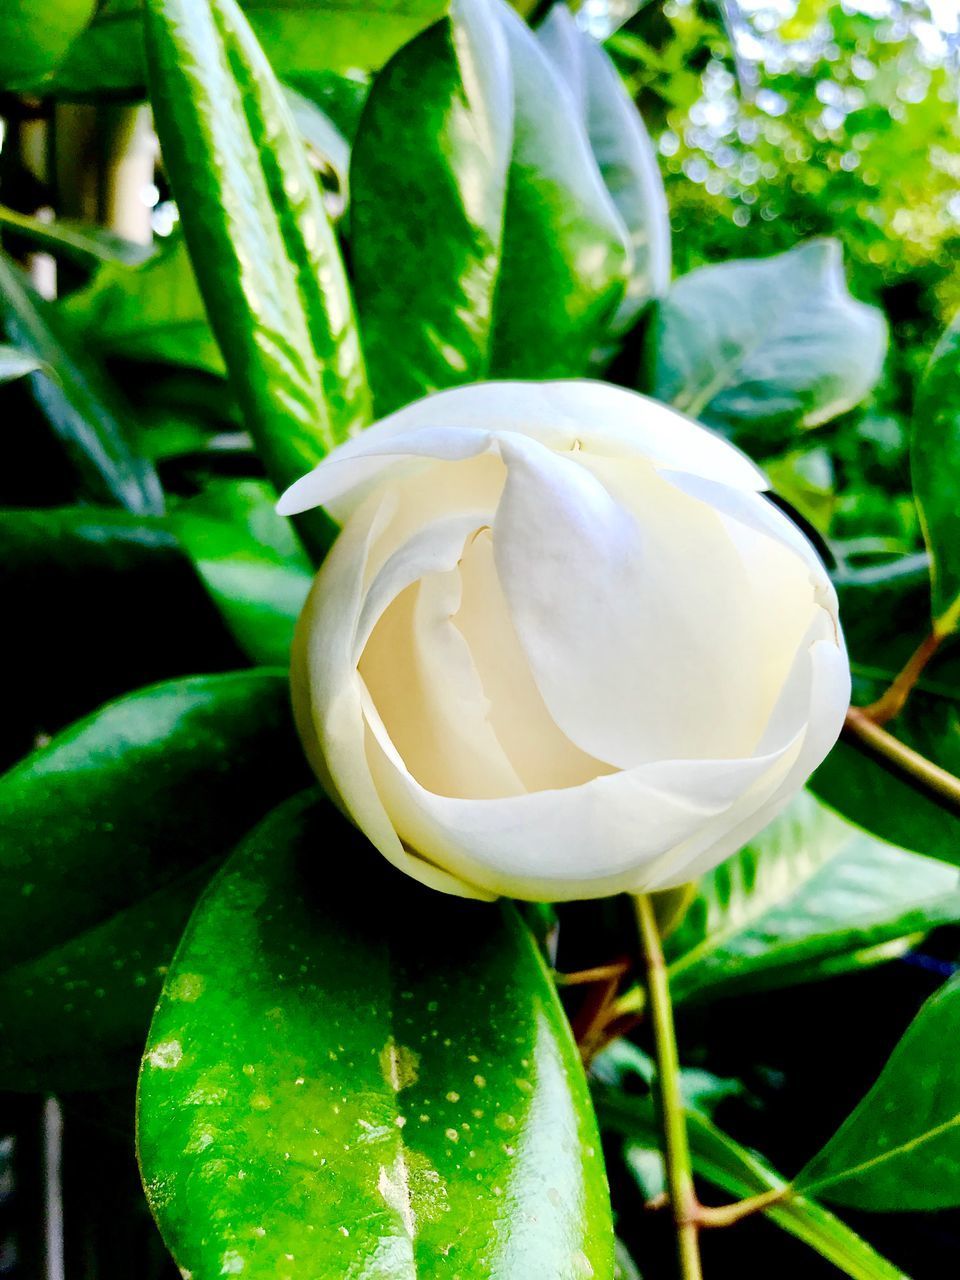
{"x":564,"y":646}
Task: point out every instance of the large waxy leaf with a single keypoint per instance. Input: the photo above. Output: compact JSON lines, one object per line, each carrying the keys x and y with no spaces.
{"x":762,"y":345}
{"x":886,"y":613}
{"x":900,"y":1149}
{"x":432,"y":155}
{"x":565,"y":256}
{"x":147,"y":788}
{"x":300,"y":38}
{"x":251,"y":562}
{"x":148,"y":311}
{"x":108,"y":836}
{"x":81,"y":405}
{"x":738,"y":1172}
{"x":624,"y":153}
{"x":33,"y":40}
{"x":808,"y":897}
{"x":265,"y":255}
{"x":390,"y":1089}
{"x":470,"y":128}
{"x":935,"y":461}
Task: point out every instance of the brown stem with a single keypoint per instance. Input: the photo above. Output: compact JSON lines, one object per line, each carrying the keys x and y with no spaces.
{"x":892,"y":702}
{"x":725,"y":1215}
{"x":936,"y":783}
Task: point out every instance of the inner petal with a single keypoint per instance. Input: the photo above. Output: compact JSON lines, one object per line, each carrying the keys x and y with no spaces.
{"x":543,"y":756}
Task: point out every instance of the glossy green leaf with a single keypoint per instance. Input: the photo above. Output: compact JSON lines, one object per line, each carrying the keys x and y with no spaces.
{"x":432,"y":152}
{"x":266,"y":258}
{"x":935,"y":463}
{"x":300,"y":39}
{"x":78,"y":400}
{"x":75,"y":1017}
{"x":124,"y":802}
{"x":343,"y":1109}
{"x":565,"y":262}
{"x":327,"y":148}
{"x":900,"y":1149}
{"x":16,"y":364}
{"x":251,"y":563}
{"x":624,"y":154}
{"x":808,"y":897}
{"x":149,"y":311}
{"x":80,"y":242}
{"x":738,"y":1172}
{"x":132,"y":603}
{"x":33,"y":41}
{"x":759,"y":346}
{"x":886,"y":613}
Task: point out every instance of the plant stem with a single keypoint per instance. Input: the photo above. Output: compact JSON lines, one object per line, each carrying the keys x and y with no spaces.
{"x":725,"y":1215}
{"x":683,"y":1199}
{"x":936,"y":783}
{"x":893,"y":700}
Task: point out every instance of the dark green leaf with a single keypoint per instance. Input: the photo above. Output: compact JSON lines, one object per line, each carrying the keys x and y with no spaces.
{"x":266,"y":258}
{"x":886,"y":613}
{"x":151,"y":311}
{"x":345,"y":1108}
{"x":429,"y":174}
{"x":808,"y":897}
{"x":900,"y":1149}
{"x":300,"y":39}
{"x":124,"y":593}
{"x":251,"y":563}
{"x":935,"y":459}
{"x":80,"y":242}
{"x":129,"y":799}
{"x":758,"y":346}
{"x":565,"y":248}
{"x":739,"y":1172}
{"x":76,"y":397}
{"x":624,"y":154}
{"x":32,"y":41}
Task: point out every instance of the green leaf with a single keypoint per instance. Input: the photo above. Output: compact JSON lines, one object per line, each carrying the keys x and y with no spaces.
{"x":565,"y":257}
{"x":75,"y":1017}
{"x":111,"y":581}
{"x":83,"y":243}
{"x":251,"y":563}
{"x":432,"y":151}
{"x":759,"y":346}
{"x":149,"y":311}
{"x":624,"y":154}
{"x":33,"y":42}
{"x":265,"y":256}
{"x":300,"y":39}
{"x":739,"y":1172}
{"x":900,"y":1149}
{"x":16,"y":364}
{"x":808,"y":897}
{"x":935,"y":463}
{"x":109,"y":834}
{"x":327,"y":148}
{"x":79,"y":402}
{"x":344,"y":1107}
{"x":147,"y":788}
{"x":886,"y":613}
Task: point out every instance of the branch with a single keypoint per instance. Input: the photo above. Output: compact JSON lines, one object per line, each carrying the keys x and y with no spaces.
{"x":862,"y":732}
{"x":683,"y":1198}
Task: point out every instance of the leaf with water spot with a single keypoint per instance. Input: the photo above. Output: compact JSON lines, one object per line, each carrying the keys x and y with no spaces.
{"x":349,"y":1074}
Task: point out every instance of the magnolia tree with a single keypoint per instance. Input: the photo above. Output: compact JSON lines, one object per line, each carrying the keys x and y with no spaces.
{"x":404,"y":361}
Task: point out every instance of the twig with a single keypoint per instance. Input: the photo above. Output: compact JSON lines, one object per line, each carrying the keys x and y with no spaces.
{"x":936,"y":783}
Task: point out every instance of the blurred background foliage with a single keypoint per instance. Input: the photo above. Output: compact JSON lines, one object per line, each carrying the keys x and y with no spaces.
{"x":780,"y":121}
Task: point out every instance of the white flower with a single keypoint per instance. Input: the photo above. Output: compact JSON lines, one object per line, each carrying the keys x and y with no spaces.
{"x":563,"y":646}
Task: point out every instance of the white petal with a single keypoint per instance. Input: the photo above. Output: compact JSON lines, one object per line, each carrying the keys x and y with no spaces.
{"x":459,"y":423}
{"x":640,"y":634}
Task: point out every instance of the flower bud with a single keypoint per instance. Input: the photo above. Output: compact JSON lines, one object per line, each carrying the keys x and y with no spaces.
{"x":564,"y":646}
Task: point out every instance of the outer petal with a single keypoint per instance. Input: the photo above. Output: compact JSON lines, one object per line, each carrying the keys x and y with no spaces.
{"x":459,"y":423}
